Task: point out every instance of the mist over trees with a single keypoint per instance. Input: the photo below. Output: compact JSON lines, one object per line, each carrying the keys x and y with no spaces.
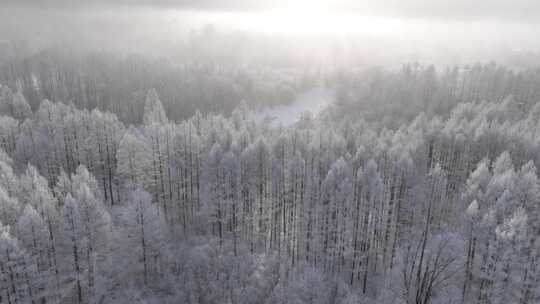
{"x":119,"y":84}
{"x":126,"y":181}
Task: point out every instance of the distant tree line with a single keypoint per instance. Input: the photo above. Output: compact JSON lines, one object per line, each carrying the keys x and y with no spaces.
{"x":118,"y":84}
{"x":397,"y":97}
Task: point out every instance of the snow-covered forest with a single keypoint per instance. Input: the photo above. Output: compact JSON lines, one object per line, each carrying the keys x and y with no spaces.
{"x":269,"y":152}
{"x":223,"y":208}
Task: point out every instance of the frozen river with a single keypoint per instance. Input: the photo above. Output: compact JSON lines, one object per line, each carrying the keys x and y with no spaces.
{"x":314,"y":101}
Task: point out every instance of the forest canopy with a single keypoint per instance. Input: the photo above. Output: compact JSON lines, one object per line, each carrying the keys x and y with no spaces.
{"x":433,"y":207}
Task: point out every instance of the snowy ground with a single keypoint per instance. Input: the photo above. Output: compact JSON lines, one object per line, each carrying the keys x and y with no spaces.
{"x":313,"y":100}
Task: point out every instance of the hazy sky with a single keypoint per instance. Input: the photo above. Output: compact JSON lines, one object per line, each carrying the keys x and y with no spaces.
{"x":376,"y":31}
{"x":517,"y":10}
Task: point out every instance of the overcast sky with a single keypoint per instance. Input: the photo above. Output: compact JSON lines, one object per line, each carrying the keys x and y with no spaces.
{"x":504,"y":10}
{"x":455,"y":30}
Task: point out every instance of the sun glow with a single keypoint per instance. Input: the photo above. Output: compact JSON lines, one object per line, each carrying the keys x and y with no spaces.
{"x":309,"y":18}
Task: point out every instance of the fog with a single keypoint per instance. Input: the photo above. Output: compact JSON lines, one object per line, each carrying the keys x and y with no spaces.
{"x":310,"y":103}
{"x":272,"y":152}
{"x":386,"y":33}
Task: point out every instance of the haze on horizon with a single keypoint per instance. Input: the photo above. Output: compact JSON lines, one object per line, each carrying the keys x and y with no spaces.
{"x":387,"y":32}
{"x":249,"y":151}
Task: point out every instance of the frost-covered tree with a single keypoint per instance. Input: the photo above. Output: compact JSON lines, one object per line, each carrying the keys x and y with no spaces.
{"x":20,"y":108}
{"x":145,"y":242}
{"x":18,"y":273}
{"x":10,"y":208}
{"x":153,"y":109}
{"x":132,"y":160}
{"x":74,"y":249}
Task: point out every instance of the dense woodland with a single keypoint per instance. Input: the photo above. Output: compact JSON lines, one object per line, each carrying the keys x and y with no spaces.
{"x":119,"y":84}
{"x":435,"y":203}
{"x":398,"y":97}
